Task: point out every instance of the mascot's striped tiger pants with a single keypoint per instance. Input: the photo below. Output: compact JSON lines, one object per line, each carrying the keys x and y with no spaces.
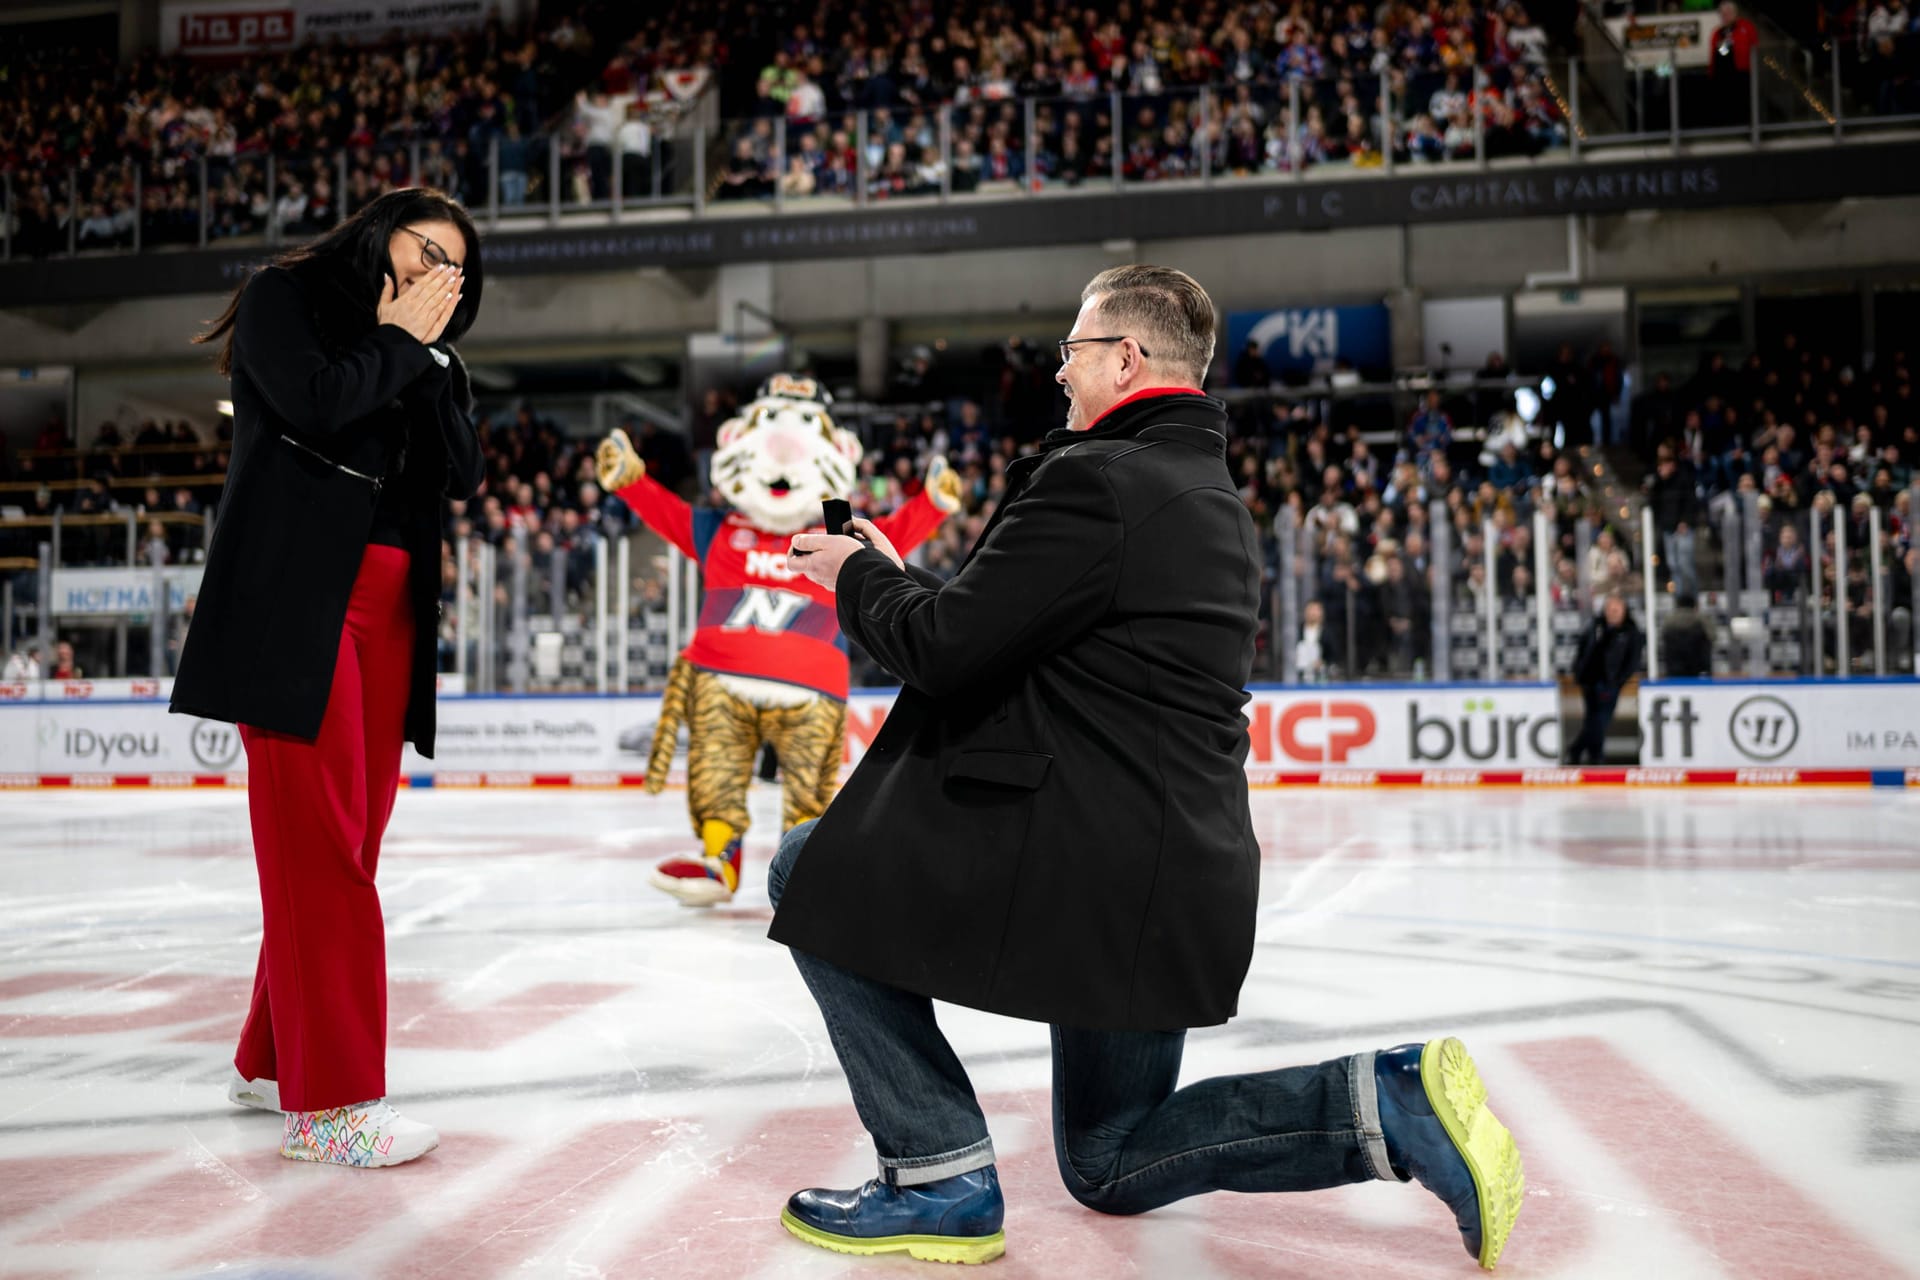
{"x":724,"y":736}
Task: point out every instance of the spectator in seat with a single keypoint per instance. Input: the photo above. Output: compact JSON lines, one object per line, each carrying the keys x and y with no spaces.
{"x":1425,"y":140}
{"x":1888,"y":20}
{"x":64,"y":667}
{"x":1655,"y":414}
{"x":798,"y":180}
{"x":515,"y":155}
{"x":1672,"y":497}
{"x":23,"y":665}
{"x":596,"y":121}
{"x":290,"y":210}
{"x":1730,"y":65}
{"x":1363,"y":468}
{"x":1250,"y":367}
{"x":1429,"y":433}
{"x":745,"y":177}
{"x":1608,"y":381}
{"x":1565,"y":588}
{"x":1519,"y":586}
{"x":154,"y":550}
{"x":1900,"y":608}
{"x":1600,"y":555}
{"x":1571,"y":404}
{"x":1686,"y":647}
{"x":53,"y":435}
{"x":1788,"y":571}
{"x":97,"y":230}
{"x":635,"y":139}
{"x":1510,"y":471}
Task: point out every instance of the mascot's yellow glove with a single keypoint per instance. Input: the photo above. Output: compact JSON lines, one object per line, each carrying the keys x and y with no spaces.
{"x":943,"y":485}
{"x":617,"y":463}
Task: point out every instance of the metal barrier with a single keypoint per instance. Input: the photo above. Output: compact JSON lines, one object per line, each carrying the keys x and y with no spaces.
{"x":585,"y":619}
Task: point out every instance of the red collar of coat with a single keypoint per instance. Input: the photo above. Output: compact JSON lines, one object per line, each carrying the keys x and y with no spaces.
{"x":1141,"y":395}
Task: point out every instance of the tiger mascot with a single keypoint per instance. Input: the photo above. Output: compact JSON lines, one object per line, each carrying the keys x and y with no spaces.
{"x":767,"y":663}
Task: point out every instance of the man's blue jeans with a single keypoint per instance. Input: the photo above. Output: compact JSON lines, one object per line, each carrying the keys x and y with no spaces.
{"x":1126,"y":1139}
{"x":1590,"y":747}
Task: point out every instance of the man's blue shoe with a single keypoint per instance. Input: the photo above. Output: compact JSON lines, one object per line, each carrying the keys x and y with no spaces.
{"x":956,"y":1219}
{"x":1433,"y":1109}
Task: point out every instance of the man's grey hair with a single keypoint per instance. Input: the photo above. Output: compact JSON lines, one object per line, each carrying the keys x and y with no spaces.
{"x":1165,"y":311}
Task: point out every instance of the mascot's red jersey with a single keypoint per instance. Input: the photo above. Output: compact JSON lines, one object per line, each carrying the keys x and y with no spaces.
{"x":759,"y":619}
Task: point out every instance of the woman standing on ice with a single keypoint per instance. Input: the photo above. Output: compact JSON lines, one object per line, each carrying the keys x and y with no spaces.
{"x":314,"y":633}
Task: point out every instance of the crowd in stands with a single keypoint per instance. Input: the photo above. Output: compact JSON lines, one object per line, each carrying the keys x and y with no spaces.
{"x":440,"y":102}
{"x":1878,"y":42}
{"x":1881,"y":55}
{"x":983,"y":62}
{"x":1797,"y":429}
{"x":428,"y":111}
{"x":1787,"y":432}
{"x":165,"y":472}
{"x":585,"y":80}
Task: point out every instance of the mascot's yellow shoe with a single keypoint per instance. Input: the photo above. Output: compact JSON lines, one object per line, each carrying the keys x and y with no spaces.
{"x":708,"y":880}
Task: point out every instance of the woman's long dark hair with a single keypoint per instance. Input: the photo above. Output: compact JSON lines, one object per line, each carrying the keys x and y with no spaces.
{"x":357,"y":248}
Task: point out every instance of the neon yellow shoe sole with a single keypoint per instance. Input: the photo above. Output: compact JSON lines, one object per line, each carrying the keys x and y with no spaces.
{"x":970,"y":1249}
{"x":1459,"y":1100}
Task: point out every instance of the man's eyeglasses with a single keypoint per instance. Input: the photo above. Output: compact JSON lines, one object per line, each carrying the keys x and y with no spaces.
{"x":1067,"y":345}
{"x":434,"y":256}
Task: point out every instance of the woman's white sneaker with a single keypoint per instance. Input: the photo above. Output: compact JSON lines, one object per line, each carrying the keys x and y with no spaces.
{"x":366,"y":1135}
{"x":261,"y":1095}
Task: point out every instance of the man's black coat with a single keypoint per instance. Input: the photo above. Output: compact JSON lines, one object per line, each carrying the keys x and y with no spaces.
{"x":320,"y":392}
{"x":1608,"y":656}
{"x":1053,"y":823}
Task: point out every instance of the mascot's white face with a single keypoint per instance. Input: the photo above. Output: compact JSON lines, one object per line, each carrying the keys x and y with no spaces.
{"x":780,"y":458}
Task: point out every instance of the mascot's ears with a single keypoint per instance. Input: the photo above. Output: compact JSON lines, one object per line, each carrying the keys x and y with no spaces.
{"x":849,"y":445}
{"x":729,"y":431}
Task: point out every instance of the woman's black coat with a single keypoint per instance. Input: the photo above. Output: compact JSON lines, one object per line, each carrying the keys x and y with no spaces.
{"x":325,"y":402}
{"x":1052,"y":823}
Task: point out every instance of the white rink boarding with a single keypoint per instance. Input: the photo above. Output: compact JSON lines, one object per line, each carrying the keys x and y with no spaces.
{"x":1765,"y":733}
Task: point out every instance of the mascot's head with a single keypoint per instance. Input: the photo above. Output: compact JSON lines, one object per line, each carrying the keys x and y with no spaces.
{"x":782,"y":456}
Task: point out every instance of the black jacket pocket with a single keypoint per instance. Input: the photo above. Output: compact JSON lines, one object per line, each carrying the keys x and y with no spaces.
{"x":1022,"y":770}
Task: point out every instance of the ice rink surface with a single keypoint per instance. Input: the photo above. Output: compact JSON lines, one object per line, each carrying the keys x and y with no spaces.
{"x":1699,"y":1012}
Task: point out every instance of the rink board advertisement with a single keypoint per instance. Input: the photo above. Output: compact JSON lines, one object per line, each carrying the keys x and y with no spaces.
{"x":119,"y":733}
{"x":86,"y":739}
{"x":1403,"y":727}
{"x":1851,"y":724}
{"x":114,"y":592}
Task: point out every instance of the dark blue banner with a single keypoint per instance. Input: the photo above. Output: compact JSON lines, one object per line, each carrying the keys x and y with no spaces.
{"x":1311,"y":339}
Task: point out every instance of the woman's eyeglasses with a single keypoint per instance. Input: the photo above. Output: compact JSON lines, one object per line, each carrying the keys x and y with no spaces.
{"x":430,"y":253}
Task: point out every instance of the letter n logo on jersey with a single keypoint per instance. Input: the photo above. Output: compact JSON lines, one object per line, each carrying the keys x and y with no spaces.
{"x":764,"y":609}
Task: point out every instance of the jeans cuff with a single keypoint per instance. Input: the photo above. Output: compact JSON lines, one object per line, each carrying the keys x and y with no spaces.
{"x":1366,"y":1116}
{"x":912,"y":1171}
